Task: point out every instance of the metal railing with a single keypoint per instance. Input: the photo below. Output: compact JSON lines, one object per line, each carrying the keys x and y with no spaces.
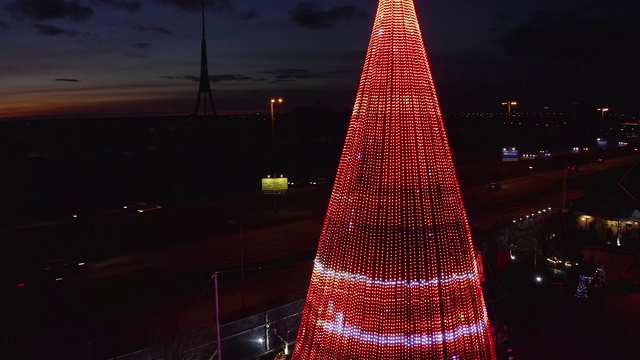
{"x":254,"y":336}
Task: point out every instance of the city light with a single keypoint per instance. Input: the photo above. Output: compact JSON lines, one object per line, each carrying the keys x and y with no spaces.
{"x":273,"y":128}
{"x":602,"y":111}
{"x":509,"y":104}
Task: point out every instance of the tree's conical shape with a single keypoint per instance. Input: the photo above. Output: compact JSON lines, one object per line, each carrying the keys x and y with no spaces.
{"x":395,"y":276}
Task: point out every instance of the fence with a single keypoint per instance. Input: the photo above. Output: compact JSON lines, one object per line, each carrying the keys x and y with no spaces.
{"x":248,"y":338}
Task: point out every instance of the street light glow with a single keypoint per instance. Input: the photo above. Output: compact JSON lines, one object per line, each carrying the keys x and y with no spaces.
{"x":602,"y":111}
{"x":273,"y":133}
{"x":509,"y":104}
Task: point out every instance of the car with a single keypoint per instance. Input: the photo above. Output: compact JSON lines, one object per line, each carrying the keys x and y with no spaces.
{"x":494,"y":187}
{"x":46,"y":274}
{"x":319,"y":181}
{"x":141,"y":207}
{"x":600,"y":161}
{"x":572,"y":167}
{"x":58,"y":269}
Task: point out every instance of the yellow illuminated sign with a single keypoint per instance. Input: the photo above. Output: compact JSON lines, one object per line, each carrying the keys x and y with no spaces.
{"x":275,"y":184}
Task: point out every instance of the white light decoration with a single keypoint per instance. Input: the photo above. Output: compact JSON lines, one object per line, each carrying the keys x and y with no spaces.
{"x":396,"y":275}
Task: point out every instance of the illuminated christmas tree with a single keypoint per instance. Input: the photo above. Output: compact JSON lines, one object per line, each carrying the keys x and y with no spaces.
{"x":582,"y":291}
{"x":395,"y":276}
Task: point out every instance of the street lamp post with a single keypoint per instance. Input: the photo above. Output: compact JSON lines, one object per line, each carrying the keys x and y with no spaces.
{"x":535,"y":254}
{"x":273,"y":128}
{"x":602,"y":111}
{"x":273,"y":148}
{"x":509,"y":104}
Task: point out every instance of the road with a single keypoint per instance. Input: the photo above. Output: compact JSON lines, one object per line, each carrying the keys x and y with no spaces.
{"x":524,"y":195}
{"x":122,"y":303}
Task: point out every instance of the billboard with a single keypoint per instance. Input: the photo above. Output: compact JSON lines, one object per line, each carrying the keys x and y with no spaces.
{"x":509,"y":154}
{"x":275,"y":185}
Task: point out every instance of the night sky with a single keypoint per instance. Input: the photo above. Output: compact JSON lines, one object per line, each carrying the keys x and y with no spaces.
{"x":98,"y":58}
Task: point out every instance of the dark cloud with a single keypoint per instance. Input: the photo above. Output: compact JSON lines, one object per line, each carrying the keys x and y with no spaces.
{"x":142,"y":45}
{"x":196,"y":5}
{"x":593,"y":48}
{"x":598,"y":29}
{"x":295,"y":76}
{"x":51,"y":9}
{"x":189,"y":77}
{"x":285,"y":71}
{"x":67,"y":80}
{"x":307,"y":14}
{"x":152,"y":28}
{"x":291,"y":74}
{"x":229,"y":77}
{"x":3,"y":25}
{"x":214,"y":78}
{"x":49,"y":30}
{"x":129,"y":5}
{"x":249,"y":15}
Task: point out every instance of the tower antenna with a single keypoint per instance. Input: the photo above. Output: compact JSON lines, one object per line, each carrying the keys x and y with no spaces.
{"x":205,"y":86}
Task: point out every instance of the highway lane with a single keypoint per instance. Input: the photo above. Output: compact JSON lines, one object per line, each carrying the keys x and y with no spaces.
{"x":116,"y":302}
{"x":523,"y":195}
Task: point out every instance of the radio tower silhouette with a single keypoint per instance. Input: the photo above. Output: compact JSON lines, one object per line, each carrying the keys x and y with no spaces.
{"x":205,"y":87}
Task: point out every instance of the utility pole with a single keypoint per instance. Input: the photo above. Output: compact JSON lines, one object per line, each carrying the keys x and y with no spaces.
{"x":215,"y":282}
{"x":535,"y":254}
{"x":564,"y":192}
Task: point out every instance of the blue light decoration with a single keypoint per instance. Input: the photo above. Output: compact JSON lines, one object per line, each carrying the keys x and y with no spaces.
{"x":582,"y":291}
